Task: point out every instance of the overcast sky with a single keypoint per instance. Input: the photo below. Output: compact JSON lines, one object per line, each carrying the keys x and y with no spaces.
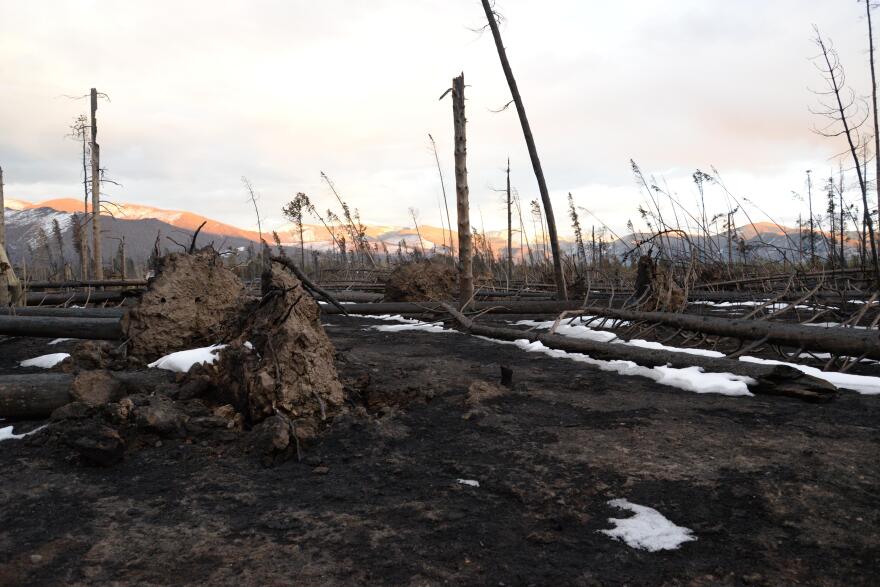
{"x":205,"y":92}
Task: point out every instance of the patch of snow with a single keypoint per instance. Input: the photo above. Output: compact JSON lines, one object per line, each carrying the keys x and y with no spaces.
{"x":468,"y":482}
{"x":863,"y":384}
{"x":60,"y":340}
{"x":182,"y":361}
{"x":406,"y":324}
{"x":831,"y":325}
{"x":587,"y":333}
{"x":425,"y":326}
{"x":689,"y":379}
{"x":7,"y":434}
{"x":45,"y":361}
{"x":648,"y":529}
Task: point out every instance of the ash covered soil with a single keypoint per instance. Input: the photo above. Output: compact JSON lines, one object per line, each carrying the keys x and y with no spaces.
{"x":776,"y":491}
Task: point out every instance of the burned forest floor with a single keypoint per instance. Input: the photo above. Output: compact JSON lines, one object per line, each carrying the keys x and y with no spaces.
{"x":775,"y":491}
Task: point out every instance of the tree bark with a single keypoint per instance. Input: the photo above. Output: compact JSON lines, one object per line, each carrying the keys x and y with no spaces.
{"x":465,"y":258}
{"x":97,"y":260}
{"x":559,"y":277}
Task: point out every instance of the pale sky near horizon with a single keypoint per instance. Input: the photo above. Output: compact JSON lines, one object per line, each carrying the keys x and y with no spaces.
{"x":203,"y":93}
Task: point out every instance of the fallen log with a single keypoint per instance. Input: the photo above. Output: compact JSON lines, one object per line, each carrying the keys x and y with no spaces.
{"x":93,"y":297}
{"x":840,"y":341}
{"x":37,"y":395}
{"x":32,"y":285}
{"x":56,"y":327}
{"x":507,"y":307}
{"x":64,"y":312}
{"x":767,"y":379}
{"x":356,"y":296}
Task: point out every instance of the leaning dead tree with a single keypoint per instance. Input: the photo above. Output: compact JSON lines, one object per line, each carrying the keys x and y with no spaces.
{"x":558,"y":274}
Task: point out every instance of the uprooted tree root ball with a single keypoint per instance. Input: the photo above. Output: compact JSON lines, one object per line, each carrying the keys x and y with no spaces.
{"x":186,"y":304}
{"x":280,"y":365}
{"x":271,"y":390}
{"x":423,"y":280}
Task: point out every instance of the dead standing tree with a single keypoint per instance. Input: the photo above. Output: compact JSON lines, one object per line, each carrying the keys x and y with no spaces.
{"x":465,"y":260}
{"x":98,"y":266}
{"x":841,"y":112}
{"x":559,"y":277}
{"x":2,"y":214}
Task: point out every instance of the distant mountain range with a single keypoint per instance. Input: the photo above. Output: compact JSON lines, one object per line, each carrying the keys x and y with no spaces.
{"x":26,"y":223}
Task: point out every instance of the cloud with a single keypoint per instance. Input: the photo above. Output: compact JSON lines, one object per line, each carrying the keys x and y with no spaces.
{"x":279,"y":91}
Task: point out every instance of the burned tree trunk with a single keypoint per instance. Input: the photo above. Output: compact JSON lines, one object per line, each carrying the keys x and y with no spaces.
{"x":765,"y":379}
{"x":57,"y":327}
{"x":509,"y":230}
{"x":37,"y":395}
{"x":559,"y":277}
{"x":33,"y":396}
{"x":96,"y":192}
{"x":2,"y":214}
{"x":844,"y":341}
{"x":465,"y":260}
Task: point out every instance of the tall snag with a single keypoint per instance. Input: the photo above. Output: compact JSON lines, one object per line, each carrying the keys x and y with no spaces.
{"x":97,"y":262}
{"x":558,"y":275}
{"x":465,"y":259}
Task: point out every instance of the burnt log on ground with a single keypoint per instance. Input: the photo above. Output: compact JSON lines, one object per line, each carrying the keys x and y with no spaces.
{"x":57,"y":327}
{"x":33,"y":285}
{"x":80,"y":297}
{"x":780,"y":380}
{"x":64,"y":312}
{"x":509,"y":307}
{"x":37,"y":395}
{"x":839,"y":341}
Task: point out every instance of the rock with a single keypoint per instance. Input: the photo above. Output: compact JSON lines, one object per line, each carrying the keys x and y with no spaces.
{"x":96,"y":388}
{"x":161,"y":416}
{"x":72,"y":411}
{"x":91,"y":354}
{"x":119,"y":412}
{"x":99,"y":445}
{"x":321,"y":470}
{"x":271,"y":436}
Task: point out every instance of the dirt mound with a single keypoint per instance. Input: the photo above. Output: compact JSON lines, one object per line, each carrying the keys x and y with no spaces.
{"x":185,"y":305}
{"x":423,"y":280}
{"x":282,"y":362}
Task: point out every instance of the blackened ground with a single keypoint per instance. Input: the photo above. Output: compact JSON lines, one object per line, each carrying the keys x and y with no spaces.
{"x":776,"y":491}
